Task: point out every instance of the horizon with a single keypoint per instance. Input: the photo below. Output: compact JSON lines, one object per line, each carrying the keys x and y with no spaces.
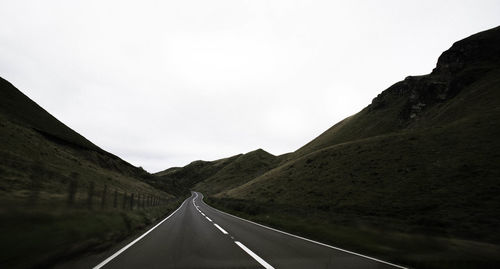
{"x":205,"y":83}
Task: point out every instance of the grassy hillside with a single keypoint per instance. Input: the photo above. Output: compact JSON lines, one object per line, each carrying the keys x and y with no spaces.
{"x":18,"y":108}
{"x":184,"y":178}
{"x":243,"y":169}
{"x":61,"y":195}
{"x":422,"y":101}
{"x":212,"y":177}
{"x":412,"y":178}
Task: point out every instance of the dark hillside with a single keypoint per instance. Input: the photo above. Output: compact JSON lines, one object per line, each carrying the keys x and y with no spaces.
{"x":413,"y":177}
{"x":243,"y":169}
{"x":422,"y":101}
{"x":185,"y":178}
{"x":19,"y":108}
{"x":60,"y":195}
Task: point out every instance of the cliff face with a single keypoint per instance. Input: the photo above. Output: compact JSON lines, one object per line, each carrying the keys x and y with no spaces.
{"x":464,"y":63}
{"x":457,"y":68}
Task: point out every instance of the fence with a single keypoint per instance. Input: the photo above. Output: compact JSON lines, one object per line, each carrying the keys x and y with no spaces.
{"x":91,"y":196}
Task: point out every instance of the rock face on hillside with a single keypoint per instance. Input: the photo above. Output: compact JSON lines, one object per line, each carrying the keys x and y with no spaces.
{"x":422,"y":158}
{"x":424,"y":153}
{"x":465,"y":62}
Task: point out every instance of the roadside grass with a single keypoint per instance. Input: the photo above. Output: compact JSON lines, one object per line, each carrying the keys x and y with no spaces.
{"x":367,"y":236}
{"x":41,"y":236}
{"x":58,"y":200}
{"x":430,"y":178}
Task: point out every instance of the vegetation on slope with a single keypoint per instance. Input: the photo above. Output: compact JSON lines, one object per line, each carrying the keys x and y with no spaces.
{"x":243,"y":169}
{"x":412,"y":178}
{"x":186,"y":177}
{"x":59,"y":193}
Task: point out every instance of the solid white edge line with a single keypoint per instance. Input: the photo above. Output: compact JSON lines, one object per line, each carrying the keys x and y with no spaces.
{"x":137,"y":239}
{"x":209,"y":219}
{"x":310,"y":240}
{"x":255,"y":256}
{"x":220,"y":228}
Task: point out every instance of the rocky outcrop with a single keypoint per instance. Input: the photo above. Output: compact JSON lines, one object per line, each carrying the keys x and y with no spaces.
{"x":465,"y":62}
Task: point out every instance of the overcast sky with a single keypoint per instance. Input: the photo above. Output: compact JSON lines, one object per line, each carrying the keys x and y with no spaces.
{"x":163,"y":83}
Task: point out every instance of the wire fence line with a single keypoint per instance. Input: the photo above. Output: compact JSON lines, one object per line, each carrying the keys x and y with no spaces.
{"x":94,"y":197}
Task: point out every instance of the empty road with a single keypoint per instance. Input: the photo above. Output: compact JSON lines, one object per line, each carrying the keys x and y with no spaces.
{"x":199,"y":236}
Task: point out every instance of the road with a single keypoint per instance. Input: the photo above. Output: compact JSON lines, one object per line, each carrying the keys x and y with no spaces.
{"x":199,"y":236}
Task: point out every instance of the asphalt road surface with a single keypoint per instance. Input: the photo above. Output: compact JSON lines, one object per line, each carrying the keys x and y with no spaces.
{"x":199,"y":236}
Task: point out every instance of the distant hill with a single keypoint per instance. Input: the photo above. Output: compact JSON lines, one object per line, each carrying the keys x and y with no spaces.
{"x":241,"y":170}
{"x":422,"y":158}
{"x":215,"y":176}
{"x":184,"y":178}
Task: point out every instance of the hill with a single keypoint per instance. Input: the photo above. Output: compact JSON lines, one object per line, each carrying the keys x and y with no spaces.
{"x":62,"y":193}
{"x":424,"y":101}
{"x":236,"y":173}
{"x":184,"y":178}
{"x":212,"y":177}
{"x":412,"y":178}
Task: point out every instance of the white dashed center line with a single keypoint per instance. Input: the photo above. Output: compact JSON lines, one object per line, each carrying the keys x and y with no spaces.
{"x":220,"y":228}
{"x":247,"y":250}
{"x":255,"y":256}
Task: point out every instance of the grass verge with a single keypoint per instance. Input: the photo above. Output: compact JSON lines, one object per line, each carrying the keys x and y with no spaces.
{"x":41,"y":237}
{"x":415,"y":250}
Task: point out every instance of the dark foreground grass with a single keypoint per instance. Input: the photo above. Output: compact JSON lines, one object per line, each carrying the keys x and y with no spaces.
{"x":41,"y":237}
{"x":362,"y":235}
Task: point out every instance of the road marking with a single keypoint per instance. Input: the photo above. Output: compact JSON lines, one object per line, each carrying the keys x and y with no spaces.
{"x":220,"y":228}
{"x":312,"y":241}
{"x":100,"y":265}
{"x":203,"y":214}
{"x":208,"y":219}
{"x":255,"y":256}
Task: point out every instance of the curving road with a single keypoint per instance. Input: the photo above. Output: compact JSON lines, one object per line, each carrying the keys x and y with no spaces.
{"x":199,"y":236}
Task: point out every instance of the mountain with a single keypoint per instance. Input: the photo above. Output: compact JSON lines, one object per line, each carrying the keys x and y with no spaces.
{"x":61,"y":192}
{"x":412,"y":178}
{"x":241,"y":170}
{"x":214,"y":176}
{"x":425,"y":101}
{"x":184,"y":178}
{"x":427,"y":128}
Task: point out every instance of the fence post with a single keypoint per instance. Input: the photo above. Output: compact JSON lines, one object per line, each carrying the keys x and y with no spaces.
{"x":90,"y":194}
{"x":124,"y":200}
{"x":103,"y":198}
{"x":115,"y":199}
{"x":72,"y":189}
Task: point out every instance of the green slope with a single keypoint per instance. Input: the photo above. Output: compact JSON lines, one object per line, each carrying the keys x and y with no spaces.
{"x":185,"y":178}
{"x":243,"y":169}
{"x":412,"y":178}
{"x":421,"y":101}
{"x":212,"y":177}
{"x":18,"y":108}
{"x":42,"y":161}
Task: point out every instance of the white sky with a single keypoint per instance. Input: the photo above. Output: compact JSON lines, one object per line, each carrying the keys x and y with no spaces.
{"x":163,"y":83}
